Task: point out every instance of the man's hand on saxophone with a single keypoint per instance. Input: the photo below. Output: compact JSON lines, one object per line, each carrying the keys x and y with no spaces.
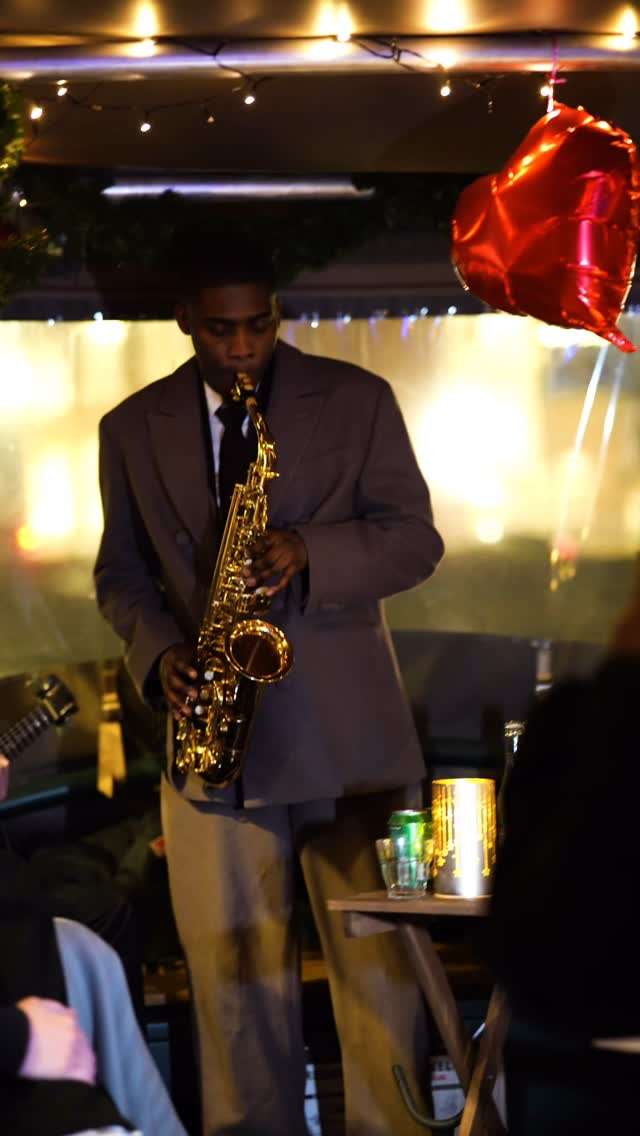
{"x":177,"y":675}
{"x":276,"y":557}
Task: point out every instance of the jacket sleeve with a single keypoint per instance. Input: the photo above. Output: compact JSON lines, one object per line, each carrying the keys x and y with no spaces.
{"x":391,"y":544}
{"x":14,"y":1038}
{"x":126,"y":578}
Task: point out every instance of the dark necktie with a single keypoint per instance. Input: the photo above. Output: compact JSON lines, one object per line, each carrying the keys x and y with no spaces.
{"x":236,"y":452}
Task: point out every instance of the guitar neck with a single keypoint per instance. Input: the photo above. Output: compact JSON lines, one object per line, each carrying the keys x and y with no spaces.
{"x":24,"y":732}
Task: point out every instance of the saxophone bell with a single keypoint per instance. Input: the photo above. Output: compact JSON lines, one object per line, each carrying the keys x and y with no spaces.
{"x":259,"y":651}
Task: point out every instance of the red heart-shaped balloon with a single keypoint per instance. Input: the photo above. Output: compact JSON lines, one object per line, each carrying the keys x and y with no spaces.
{"x":554,"y":234}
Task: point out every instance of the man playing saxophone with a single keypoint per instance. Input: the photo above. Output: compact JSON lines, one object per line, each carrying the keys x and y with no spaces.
{"x":333,"y":748}
{"x":238,"y":653}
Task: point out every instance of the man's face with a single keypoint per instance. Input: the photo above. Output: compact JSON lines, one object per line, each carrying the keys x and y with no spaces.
{"x":234,"y":328}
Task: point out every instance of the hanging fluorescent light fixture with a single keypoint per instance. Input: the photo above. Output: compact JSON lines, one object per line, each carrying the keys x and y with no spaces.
{"x":234,"y":188}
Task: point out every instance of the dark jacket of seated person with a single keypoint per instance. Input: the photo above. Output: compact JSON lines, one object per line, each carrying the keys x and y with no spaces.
{"x":564,"y":923}
{"x":33,"y":1099}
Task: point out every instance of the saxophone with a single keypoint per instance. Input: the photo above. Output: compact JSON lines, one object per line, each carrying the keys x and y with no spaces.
{"x":238,"y":653}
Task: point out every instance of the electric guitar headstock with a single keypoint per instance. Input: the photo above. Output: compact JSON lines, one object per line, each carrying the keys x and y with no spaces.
{"x":55,"y":705}
{"x":55,"y":698}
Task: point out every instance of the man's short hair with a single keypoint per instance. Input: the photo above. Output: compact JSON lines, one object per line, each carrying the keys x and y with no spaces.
{"x":199,"y":259}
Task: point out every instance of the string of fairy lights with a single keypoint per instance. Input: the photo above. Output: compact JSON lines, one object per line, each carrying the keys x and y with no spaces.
{"x":248,"y":87}
{"x":435,"y":314}
{"x":405,"y":319}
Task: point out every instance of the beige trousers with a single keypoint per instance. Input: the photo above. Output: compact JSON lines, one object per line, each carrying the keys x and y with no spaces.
{"x":231,"y":878}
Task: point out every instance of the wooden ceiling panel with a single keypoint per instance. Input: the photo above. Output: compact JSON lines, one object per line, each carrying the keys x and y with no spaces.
{"x":293,"y":18}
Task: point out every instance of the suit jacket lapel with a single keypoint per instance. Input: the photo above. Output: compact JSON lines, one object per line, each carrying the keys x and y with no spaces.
{"x":177,"y":440}
{"x":293,"y":413}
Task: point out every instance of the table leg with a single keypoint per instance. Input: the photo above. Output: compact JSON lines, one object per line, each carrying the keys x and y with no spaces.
{"x":435,"y":986}
{"x":485,"y":1068}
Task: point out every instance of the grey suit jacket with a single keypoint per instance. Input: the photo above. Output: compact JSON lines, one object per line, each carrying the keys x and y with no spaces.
{"x":339,"y":723}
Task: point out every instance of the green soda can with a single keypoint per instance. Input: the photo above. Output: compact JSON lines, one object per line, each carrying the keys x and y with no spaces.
{"x":407,"y":832}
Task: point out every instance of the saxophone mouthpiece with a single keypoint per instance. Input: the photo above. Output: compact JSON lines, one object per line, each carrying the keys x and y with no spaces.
{"x":244,"y":385}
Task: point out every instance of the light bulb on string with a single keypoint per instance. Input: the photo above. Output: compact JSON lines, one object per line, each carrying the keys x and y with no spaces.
{"x":63,"y":89}
{"x":446,"y":89}
{"x":209,"y":117}
{"x":23,"y":203}
{"x":145,"y":125}
{"x":247,"y":90}
{"x":545,"y":90}
{"x":36,"y":112}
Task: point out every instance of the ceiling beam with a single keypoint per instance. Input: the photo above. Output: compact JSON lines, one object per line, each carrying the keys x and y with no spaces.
{"x":466,"y":54}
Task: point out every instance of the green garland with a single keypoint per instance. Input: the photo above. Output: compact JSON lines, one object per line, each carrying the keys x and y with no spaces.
{"x":24,"y":254}
{"x":133,"y":236}
{"x":24,"y":257}
{"x":125,"y":244}
{"x":70,"y":219}
{"x":11,"y":132}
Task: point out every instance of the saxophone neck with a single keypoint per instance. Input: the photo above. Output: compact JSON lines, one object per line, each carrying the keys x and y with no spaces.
{"x":244,"y":391}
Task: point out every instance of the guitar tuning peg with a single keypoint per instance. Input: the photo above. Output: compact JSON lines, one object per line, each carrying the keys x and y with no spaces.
{"x":41,"y":684}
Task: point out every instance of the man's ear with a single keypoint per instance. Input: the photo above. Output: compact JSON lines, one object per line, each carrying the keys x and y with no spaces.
{"x":181,"y":312}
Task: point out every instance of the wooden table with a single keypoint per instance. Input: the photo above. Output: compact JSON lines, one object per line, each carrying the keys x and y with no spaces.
{"x":373,"y":912}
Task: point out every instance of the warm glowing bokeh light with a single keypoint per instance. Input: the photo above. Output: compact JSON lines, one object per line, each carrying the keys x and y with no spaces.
{"x":141,"y":49}
{"x":628,"y":27}
{"x":324,"y":50}
{"x":472,"y":440}
{"x":145,"y":23}
{"x":446,"y":16}
{"x":489,"y":529}
{"x":50,"y":497}
{"x":26,"y":539}
{"x":334,"y":19}
{"x":444,"y":57}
